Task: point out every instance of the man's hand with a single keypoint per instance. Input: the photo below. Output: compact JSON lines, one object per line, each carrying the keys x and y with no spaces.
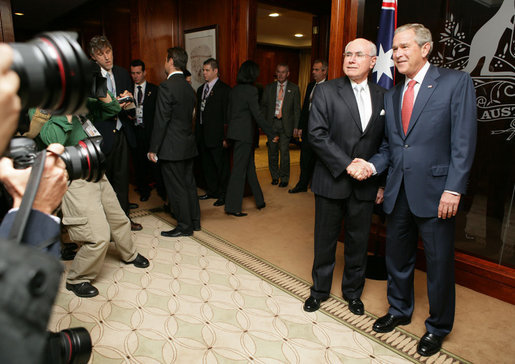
{"x":295,"y":133}
{"x":380,"y":196}
{"x":52,"y":186}
{"x":359,"y":169}
{"x":299,"y":133}
{"x":10,"y":104}
{"x":225,"y":144}
{"x":125,"y":105}
{"x":448,"y":205}
{"x":152,"y":157}
{"x":276,"y":139}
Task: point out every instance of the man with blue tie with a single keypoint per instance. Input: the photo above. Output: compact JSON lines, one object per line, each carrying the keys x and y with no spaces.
{"x":429,"y":145}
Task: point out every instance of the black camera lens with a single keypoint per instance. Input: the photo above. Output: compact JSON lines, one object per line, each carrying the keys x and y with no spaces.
{"x":71,"y":346}
{"x":84,"y":161}
{"x":54,"y":73}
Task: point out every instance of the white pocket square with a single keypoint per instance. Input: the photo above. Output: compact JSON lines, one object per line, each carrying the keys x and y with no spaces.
{"x":382,"y":113}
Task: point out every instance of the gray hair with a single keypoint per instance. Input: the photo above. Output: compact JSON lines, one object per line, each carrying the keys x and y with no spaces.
{"x":372,"y":47}
{"x":422,"y":34}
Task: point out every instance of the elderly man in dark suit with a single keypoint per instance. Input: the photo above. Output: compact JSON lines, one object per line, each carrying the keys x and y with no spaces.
{"x":281,"y":108}
{"x":211,"y":122}
{"x":173,"y":143}
{"x":428,"y":150}
{"x":117,"y":132}
{"x":307,"y":156}
{"x":346,"y":121}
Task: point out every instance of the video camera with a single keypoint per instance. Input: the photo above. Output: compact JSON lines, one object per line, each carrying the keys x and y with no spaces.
{"x":54,"y":74}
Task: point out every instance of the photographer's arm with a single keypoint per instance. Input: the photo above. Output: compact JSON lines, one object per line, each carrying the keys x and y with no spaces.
{"x":103,"y":108}
{"x":10,"y":103}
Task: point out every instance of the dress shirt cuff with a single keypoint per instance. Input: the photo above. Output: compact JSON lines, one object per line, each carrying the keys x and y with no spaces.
{"x":373,"y":168}
{"x":453,"y":193}
{"x":53,"y":217}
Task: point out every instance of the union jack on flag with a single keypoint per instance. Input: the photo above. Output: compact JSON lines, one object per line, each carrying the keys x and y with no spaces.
{"x":383,"y":73}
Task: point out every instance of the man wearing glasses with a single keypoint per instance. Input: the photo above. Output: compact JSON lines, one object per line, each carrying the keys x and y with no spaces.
{"x":346,"y":122}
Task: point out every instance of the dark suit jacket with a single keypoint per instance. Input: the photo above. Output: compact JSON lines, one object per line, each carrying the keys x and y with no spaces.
{"x":149,"y":108}
{"x":107,"y":128}
{"x":214,"y":116}
{"x":243,"y":110}
{"x":336,"y":136}
{"x":291,"y":105}
{"x":172,"y":137}
{"x":304,"y":113}
{"x":438,"y":150}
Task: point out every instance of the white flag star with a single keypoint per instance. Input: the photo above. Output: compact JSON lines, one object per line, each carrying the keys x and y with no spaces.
{"x":384,"y":63}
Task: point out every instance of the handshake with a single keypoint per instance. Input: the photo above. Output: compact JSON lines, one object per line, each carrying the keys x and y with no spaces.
{"x":360,"y":169}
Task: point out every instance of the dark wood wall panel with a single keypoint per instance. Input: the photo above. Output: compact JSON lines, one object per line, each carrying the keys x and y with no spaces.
{"x":269,"y":56}
{"x":6,"y":22}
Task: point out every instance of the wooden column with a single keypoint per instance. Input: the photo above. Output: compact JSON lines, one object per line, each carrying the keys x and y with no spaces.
{"x":6,"y":22}
{"x":243,"y":35}
{"x":344,"y":23}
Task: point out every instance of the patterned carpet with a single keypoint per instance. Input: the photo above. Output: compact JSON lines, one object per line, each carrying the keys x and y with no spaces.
{"x":204,"y":300}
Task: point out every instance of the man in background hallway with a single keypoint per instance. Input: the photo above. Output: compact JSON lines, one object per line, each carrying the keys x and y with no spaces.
{"x":281,"y":107}
{"x":210,"y":129}
{"x":307,"y":156}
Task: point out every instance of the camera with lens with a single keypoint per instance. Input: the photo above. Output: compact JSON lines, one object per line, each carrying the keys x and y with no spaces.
{"x":56,"y":75}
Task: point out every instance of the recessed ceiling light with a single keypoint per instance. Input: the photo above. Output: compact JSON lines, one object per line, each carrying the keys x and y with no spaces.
{"x":19,"y":14}
{"x":298,"y":35}
{"x":273,"y":15}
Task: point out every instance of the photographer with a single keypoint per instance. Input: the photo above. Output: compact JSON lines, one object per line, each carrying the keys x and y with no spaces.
{"x":91,"y":211}
{"x":41,"y":226}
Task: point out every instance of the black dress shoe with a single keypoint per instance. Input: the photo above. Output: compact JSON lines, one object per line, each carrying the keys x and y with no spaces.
{"x":176,"y":233}
{"x":135,"y":226}
{"x":275,"y":181}
{"x":237,"y":214}
{"x":262,"y":206}
{"x":84,"y":289}
{"x":283,"y":184}
{"x":312,"y":304}
{"x":139,"y":262}
{"x":388,"y":322}
{"x":197,"y":228}
{"x":219,"y":202}
{"x":68,"y":251}
{"x":430,"y":344}
{"x":205,"y":197}
{"x":355,"y":305}
{"x":297,"y":189}
{"x":133,"y":206}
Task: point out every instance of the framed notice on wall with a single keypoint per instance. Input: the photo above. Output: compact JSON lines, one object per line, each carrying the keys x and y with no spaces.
{"x":200,"y":44}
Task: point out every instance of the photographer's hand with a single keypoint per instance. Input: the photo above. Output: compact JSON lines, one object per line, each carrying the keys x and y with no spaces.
{"x":52,"y":186}
{"x":10,"y":103}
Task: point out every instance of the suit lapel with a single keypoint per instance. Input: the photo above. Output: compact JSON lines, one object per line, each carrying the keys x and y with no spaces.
{"x":427,"y":88}
{"x":347,"y":94}
{"x":375,"y":96}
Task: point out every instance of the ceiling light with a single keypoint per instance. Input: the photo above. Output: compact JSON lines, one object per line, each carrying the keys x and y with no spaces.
{"x":273,"y":15}
{"x":19,"y":14}
{"x":298,"y":35}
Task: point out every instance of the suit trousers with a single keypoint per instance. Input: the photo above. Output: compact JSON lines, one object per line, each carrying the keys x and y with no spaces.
{"x":92,"y":215}
{"x":357,"y":217}
{"x":243,"y":169}
{"x":307,"y":162}
{"x":182,"y":192}
{"x":215,"y":167}
{"x":142,"y":166}
{"x":281,"y":172}
{"x":402,"y":229}
{"x":117,"y":169}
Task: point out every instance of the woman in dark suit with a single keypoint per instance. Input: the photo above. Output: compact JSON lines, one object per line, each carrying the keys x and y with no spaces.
{"x":243,"y":108}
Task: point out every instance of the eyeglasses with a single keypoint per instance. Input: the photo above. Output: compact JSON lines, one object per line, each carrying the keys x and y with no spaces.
{"x":358,"y":55}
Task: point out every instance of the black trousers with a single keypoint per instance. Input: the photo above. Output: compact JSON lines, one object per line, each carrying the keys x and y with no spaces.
{"x":357,"y":217}
{"x":215,"y":167}
{"x":117,"y":169}
{"x":243,"y":169}
{"x":182,"y":192}
{"x":142,"y":166}
{"x":402,"y":230}
{"x":307,"y":163}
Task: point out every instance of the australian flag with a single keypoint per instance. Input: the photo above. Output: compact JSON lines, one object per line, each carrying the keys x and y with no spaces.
{"x":383,"y":72}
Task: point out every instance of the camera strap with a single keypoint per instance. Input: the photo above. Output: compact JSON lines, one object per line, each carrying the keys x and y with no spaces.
{"x":20,"y":221}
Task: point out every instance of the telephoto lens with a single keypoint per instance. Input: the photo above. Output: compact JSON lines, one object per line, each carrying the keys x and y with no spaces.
{"x":71,"y":346}
{"x":54,"y":73}
{"x":84,"y":161}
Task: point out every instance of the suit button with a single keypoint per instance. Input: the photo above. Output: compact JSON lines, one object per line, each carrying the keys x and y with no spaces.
{"x":406,"y":146}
